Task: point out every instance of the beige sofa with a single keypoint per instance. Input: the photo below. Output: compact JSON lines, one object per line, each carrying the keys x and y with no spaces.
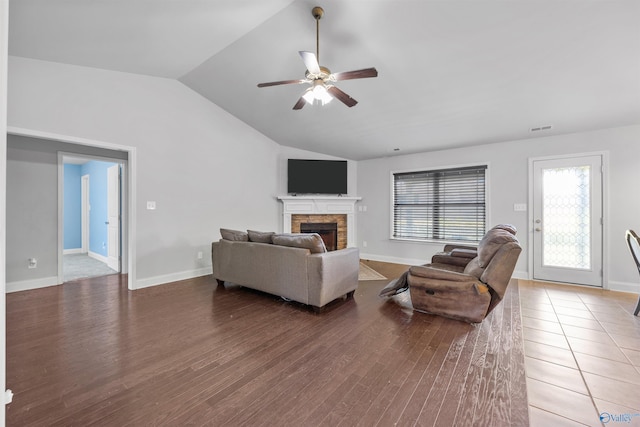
{"x":292,"y":268}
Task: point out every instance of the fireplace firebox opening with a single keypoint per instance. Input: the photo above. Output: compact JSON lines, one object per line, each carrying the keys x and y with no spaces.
{"x":328,"y":231}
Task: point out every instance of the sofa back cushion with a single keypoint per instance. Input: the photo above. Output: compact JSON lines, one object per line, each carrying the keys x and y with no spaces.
{"x":491,"y":242}
{"x":234,"y":235}
{"x":507,"y":227}
{"x":473,"y":268}
{"x":311,"y":241}
{"x":260,"y":236}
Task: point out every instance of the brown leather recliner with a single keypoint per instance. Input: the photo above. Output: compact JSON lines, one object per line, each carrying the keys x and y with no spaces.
{"x":458,"y":284}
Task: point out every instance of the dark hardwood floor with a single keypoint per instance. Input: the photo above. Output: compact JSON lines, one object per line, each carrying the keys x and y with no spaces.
{"x":193,"y":353}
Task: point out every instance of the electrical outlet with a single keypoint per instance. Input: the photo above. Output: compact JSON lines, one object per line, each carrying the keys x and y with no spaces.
{"x":364,"y":243}
{"x":33,"y":263}
{"x":199,"y":255}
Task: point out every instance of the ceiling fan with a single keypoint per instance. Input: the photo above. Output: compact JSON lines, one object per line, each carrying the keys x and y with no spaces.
{"x":320,"y":78}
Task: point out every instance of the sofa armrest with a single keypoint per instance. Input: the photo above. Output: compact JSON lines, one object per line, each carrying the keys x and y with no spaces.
{"x":332,"y":275}
{"x":445,"y":258}
{"x":458,"y":255}
{"x":438,"y":274}
{"x":451,"y":247}
{"x":437,"y":280}
{"x":464,"y":253}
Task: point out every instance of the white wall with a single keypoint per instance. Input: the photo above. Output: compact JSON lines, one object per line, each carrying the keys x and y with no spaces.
{"x":509,"y":184}
{"x":204,"y":168}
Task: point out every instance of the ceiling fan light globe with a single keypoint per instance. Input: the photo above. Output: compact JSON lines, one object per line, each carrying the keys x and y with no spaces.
{"x":325,"y":98}
{"x":319,"y":91}
{"x":309,"y":96}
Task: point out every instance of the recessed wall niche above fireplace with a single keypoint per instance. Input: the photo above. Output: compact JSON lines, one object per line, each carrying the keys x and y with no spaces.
{"x":321,"y":210}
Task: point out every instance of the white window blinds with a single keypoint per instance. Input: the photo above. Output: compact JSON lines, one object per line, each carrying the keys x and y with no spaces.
{"x":445,"y":204}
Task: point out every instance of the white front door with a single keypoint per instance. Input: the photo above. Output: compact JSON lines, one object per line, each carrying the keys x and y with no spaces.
{"x":567,"y":215}
{"x":113,"y":217}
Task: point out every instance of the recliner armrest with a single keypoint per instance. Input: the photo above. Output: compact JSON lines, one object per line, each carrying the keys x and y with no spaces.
{"x":438,"y":274}
{"x":451,"y":247}
{"x":464,"y":253}
{"x":435,"y":282}
{"x":457,"y":255}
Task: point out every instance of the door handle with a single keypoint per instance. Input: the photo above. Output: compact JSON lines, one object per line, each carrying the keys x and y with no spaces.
{"x":538,"y":229}
{"x":106,"y":222}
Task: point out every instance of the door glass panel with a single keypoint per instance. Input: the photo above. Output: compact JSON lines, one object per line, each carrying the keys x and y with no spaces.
{"x":566,"y":217}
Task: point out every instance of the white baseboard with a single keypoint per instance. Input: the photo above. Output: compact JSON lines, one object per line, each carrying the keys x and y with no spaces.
{"x":519,"y":274}
{"x":44,"y":282}
{"x":97,"y":256}
{"x":633,"y":288}
{"x":173,"y":277}
{"x":72,"y":251}
{"x":25,"y":285}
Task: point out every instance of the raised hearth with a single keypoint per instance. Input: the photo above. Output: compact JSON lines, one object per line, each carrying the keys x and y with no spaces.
{"x":321,"y":209}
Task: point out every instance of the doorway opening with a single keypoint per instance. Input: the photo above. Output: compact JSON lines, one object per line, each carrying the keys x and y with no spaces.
{"x":92,"y":217}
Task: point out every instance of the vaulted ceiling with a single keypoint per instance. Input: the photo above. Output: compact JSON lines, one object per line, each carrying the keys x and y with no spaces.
{"x":451,"y":73}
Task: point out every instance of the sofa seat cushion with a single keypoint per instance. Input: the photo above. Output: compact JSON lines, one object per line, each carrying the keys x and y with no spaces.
{"x":311,"y":241}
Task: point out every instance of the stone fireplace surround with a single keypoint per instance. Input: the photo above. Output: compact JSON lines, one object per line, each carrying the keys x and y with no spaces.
{"x":321,"y":209}
{"x":315,"y":221}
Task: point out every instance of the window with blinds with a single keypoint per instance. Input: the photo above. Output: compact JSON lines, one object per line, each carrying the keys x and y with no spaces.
{"x":445,"y":204}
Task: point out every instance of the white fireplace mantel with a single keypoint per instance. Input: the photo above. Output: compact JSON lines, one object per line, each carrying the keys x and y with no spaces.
{"x":321,"y":205}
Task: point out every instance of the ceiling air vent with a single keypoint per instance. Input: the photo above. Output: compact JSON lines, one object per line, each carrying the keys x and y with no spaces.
{"x":540,"y":128}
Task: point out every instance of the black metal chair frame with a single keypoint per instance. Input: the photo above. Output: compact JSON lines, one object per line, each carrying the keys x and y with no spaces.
{"x":634,"y":246}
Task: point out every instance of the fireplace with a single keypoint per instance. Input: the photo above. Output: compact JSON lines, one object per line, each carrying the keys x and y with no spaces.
{"x":321,"y":209}
{"x":324,"y":225}
{"x":328,"y":231}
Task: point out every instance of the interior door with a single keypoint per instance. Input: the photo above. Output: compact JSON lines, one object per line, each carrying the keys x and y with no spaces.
{"x":85,"y":210}
{"x":567,"y":214}
{"x":113,"y":217}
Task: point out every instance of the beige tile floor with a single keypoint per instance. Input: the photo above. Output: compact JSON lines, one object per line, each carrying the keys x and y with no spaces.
{"x":582,"y":355}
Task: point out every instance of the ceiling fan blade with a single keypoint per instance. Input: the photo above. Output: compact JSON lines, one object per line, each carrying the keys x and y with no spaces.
{"x":346,"y":99}
{"x":299,"y":104}
{"x":356,"y":74}
{"x":310,"y":61}
{"x":283,"y":82}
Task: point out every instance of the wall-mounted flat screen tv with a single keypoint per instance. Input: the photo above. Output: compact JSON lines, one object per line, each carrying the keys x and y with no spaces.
{"x":317,"y":176}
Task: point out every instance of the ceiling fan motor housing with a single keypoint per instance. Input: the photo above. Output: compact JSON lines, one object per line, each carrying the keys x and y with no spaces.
{"x":324,"y":74}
